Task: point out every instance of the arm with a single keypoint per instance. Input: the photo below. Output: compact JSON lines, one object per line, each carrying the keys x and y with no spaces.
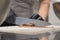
{"x":44,"y":8}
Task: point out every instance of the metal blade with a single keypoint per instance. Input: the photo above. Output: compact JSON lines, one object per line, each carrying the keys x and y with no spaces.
{"x":20,"y":20}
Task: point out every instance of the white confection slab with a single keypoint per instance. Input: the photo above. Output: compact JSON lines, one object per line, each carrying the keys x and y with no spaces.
{"x":28,"y":30}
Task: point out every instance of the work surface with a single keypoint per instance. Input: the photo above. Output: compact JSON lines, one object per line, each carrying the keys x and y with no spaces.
{"x":24,"y":20}
{"x":31,"y":32}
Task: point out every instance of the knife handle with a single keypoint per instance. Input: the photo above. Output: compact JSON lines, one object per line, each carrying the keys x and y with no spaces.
{"x":36,"y":16}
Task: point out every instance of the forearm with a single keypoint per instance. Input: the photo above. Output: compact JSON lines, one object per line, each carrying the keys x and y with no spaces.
{"x":44,"y":9}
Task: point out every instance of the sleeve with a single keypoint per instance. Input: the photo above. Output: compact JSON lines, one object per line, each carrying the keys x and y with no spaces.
{"x":36,"y":16}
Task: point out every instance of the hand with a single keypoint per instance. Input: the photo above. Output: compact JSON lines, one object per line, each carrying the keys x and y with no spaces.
{"x":44,"y":9}
{"x":44,"y":38}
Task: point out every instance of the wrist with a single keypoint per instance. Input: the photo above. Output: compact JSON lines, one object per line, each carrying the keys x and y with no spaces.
{"x":45,"y":4}
{"x":46,"y":1}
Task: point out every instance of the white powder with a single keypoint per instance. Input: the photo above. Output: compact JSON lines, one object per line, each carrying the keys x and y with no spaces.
{"x":53,"y":19}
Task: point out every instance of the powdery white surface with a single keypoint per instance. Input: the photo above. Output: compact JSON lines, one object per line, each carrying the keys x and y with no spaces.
{"x":27,"y":30}
{"x":53,"y":19}
{"x":55,"y":1}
